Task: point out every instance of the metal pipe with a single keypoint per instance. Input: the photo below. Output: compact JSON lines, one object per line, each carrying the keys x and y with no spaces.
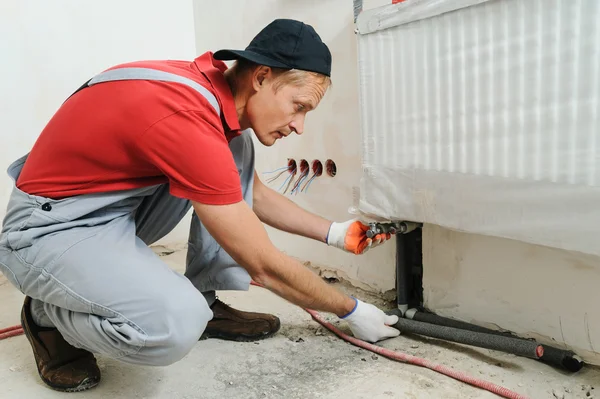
{"x":555,"y":357}
{"x":515,"y":346}
{"x":402,"y":275}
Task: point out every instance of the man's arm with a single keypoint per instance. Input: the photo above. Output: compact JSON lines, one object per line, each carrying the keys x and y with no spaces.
{"x":279,"y":212}
{"x":238,"y":230}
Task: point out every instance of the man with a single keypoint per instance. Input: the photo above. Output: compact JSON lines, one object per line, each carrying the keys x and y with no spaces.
{"x":119,"y":165}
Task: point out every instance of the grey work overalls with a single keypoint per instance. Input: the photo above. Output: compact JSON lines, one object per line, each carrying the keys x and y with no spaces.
{"x":86,"y":258}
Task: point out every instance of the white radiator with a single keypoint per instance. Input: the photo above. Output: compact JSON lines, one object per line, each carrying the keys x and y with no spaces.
{"x":482,"y":116}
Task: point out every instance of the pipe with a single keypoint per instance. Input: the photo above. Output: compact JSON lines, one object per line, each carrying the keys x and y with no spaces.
{"x":415,"y":314}
{"x":402,"y":275}
{"x":417,"y":361}
{"x":11,"y":332}
{"x":515,"y":346}
{"x":562,"y":358}
{"x":555,"y":357}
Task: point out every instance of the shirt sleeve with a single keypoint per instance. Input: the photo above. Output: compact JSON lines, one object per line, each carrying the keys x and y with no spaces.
{"x":191,"y":149}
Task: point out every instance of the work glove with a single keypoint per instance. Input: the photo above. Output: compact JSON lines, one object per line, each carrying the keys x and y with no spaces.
{"x":351,"y":236}
{"x":369,"y":323}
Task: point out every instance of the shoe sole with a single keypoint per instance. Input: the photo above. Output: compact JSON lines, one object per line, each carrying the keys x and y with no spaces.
{"x":238,"y":338}
{"x":241,"y":337}
{"x":86,"y":384}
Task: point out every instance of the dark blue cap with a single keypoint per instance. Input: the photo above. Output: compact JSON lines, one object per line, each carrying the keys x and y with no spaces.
{"x":287,"y":44}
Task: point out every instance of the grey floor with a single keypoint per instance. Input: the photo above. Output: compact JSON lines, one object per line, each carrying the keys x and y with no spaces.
{"x":302,"y":361}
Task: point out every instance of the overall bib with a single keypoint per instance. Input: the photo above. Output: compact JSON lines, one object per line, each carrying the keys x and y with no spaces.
{"x":86,"y":258}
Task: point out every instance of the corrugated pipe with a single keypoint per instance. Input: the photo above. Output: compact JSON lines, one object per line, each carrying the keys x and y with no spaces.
{"x":515,"y":346}
{"x":555,"y":357}
{"x":431,"y":325}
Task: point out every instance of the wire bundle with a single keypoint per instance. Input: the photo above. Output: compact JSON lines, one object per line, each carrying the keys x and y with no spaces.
{"x":303,"y":181}
{"x":304,"y":171}
{"x":317,"y":171}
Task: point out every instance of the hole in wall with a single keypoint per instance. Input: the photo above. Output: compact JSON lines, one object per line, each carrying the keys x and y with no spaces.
{"x":291,"y":165}
{"x":317,"y":167}
{"x":303,"y":166}
{"x":330,"y":167}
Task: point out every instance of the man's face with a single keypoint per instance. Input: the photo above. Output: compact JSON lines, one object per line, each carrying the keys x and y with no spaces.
{"x":274,"y":114}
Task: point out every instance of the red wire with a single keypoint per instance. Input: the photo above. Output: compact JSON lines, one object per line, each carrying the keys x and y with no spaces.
{"x":11,"y":332}
{"x":403,"y":357}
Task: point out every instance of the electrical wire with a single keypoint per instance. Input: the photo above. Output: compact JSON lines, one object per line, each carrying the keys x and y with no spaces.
{"x":289,"y":184}
{"x":298,"y":183}
{"x":276,"y":170}
{"x":302,"y":176}
{"x":292,"y":173}
{"x":394,"y":355}
{"x":305,"y":188}
{"x":308,"y":185}
{"x":11,"y":332}
{"x":317,"y":171}
{"x":272,"y":179}
{"x":404,"y":357}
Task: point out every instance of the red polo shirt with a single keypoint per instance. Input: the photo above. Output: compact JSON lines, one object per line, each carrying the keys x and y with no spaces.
{"x":130,"y":134}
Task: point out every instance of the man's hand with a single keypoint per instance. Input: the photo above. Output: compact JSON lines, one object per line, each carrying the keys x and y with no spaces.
{"x":239,"y":231}
{"x":370,"y":324}
{"x":351,"y":236}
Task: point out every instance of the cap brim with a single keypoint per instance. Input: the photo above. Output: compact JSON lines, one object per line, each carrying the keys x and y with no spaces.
{"x":228,"y":55}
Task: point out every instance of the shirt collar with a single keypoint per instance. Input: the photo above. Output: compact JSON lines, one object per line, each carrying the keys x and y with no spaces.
{"x":213,"y":70}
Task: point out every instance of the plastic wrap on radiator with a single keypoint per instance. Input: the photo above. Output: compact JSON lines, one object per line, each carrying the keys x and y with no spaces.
{"x":484,"y":119}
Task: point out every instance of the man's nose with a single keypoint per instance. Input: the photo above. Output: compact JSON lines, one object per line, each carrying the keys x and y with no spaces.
{"x":297,"y":125}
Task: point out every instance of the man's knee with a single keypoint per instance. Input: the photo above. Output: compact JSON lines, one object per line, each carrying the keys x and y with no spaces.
{"x":178,"y":323}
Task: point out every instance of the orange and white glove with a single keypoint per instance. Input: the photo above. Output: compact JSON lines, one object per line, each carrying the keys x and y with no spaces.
{"x":351,"y":236}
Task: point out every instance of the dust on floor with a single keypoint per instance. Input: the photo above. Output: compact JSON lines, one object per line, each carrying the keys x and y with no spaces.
{"x":302,"y":361}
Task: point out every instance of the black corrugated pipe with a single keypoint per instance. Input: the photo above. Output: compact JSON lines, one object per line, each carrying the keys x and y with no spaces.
{"x":555,"y":357}
{"x":427,"y":324}
{"x":516,"y":346}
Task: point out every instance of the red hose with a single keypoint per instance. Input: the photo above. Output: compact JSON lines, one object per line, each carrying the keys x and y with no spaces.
{"x":11,"y":332}
{"x":403,"y":357}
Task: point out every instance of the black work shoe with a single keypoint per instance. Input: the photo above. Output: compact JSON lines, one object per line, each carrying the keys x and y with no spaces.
{"x":60,"y":365}
{"x":236,"y":325}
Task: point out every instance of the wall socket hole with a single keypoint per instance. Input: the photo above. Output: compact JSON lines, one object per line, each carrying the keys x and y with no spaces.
{"x":291,"y":165}
{"x":304,"y":166}
{"x":317,"y":167}
{"x":330,"y":168}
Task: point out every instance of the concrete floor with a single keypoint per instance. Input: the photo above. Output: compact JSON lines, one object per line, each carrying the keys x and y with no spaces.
{"x":302,"y":361}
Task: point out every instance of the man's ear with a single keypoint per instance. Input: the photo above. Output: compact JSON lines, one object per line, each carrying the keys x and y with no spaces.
{"x":259,"y":77}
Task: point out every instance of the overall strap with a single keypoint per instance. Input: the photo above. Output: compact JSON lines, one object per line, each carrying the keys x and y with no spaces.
{"x":151,"y":74}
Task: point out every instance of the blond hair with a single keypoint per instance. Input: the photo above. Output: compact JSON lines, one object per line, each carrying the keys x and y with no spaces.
{"x":283,"y":77}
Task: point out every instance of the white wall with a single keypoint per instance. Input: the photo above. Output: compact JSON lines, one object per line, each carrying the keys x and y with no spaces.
{"x":532,"y":290}
{"x":54,"y":47}
{"x":332,"y":131}
{"x":49,"y":48}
